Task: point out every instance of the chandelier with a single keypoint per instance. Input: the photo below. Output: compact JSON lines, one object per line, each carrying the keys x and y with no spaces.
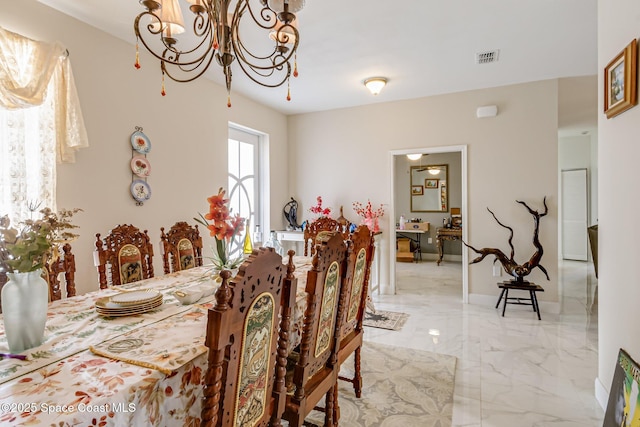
{"x":216,"y":32}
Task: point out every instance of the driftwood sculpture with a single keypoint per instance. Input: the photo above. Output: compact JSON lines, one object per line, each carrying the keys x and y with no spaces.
{"x":518,"y":271}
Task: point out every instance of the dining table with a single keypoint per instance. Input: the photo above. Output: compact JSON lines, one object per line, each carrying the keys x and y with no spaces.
{"x":144,"y":369}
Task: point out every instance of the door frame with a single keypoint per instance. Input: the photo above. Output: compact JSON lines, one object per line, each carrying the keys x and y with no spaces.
{"x":462,"y":149}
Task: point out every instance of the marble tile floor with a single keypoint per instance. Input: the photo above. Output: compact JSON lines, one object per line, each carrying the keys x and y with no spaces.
{"x":513,"y":370}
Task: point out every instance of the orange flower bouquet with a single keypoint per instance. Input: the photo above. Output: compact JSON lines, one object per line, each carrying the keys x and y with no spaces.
{"x":223,"y":227}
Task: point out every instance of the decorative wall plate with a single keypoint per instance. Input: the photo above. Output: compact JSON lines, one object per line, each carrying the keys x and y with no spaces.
{"x":140,"y":165}
{"x":140,"y":190}
{"x":140,"y":142}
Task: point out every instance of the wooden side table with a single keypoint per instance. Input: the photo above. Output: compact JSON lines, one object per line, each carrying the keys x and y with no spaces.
{"x":521,"y":286}
{"x":443,"y":234}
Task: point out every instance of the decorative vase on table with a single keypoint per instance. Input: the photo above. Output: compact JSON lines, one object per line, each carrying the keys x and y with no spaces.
{"x":24,"y":309}
{"x":372,"y":224}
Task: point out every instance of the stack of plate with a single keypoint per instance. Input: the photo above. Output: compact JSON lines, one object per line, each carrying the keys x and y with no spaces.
{"x":129,"y":303}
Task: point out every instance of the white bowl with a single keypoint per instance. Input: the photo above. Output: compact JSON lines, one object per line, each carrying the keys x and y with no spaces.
{"x":207,"y":288}
{"x":188,"y":296}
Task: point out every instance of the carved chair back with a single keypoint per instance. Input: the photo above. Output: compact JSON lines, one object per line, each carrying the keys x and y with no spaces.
{"x":247,"y":336}
{"x":58,"y":263}
{"x":128,"y":254}
{"x":313,"y":229}
{"x":360,"y":254}
{"x":181,"y":247}
{"x":356,"y":279}
{"x":315,"y":371}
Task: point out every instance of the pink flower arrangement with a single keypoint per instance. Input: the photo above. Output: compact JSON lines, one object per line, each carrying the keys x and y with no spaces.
{"x":367,"y":211}
{"x":369,"y":215}
{"x":318,"y":209}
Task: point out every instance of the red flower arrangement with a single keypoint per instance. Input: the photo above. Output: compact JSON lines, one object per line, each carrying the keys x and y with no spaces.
{"x":318,"y":209}
{"x":369,"y":215}
{"x":223,"y":227}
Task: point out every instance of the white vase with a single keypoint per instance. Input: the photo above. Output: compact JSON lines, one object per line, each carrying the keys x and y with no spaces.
{"x":24,"y":310}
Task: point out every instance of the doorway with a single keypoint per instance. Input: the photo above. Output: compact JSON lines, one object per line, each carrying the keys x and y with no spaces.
{"x":574,"y":214}
{"x":394,"y":213}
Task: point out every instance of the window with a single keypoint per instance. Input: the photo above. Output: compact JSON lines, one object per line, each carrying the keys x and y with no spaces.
{"x":40,"y":122}
{"x":28,"y":161}
{"x":246,"y":178}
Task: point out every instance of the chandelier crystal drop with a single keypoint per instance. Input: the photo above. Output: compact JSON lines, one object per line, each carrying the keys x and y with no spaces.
{"x":221,"y":29}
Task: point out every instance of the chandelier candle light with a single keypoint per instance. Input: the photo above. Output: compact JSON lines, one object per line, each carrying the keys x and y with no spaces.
{"x":216,"y":32}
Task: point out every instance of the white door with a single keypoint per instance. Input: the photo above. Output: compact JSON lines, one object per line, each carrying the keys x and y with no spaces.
{"x":574,"y":214}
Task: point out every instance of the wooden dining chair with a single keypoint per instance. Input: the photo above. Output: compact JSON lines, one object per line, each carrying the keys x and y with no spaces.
{"x":181,"y":247}
{"x":126,"y":254}
{"x":247,"y":337}
{"x":314,"y":366}
{"x":360,"y":252}
{"x":61,"y":262}
{"x":314,"y":228}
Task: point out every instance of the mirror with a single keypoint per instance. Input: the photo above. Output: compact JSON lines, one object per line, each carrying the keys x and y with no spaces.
{"x":429,"y":188}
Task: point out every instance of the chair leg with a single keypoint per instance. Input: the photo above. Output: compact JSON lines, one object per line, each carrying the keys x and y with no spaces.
{"x":336,"y":406}
{"x":357,"y":377}
{"x":506,"y":298}
{"x":329,"y":402}
{"x":500,"y":298}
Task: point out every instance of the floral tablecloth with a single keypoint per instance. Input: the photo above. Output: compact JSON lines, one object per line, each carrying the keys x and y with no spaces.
{"x":66,"y":384}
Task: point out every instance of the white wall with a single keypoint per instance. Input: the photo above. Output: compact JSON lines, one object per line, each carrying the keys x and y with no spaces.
{"x":343,"y":155}
{"x":187,"y":129}
{"x":619,"y":228}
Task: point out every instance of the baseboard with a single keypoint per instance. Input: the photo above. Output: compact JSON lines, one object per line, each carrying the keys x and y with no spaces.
{"x":383,"y":289}
{"x":602,"y":395}
{"x":427,"y":256}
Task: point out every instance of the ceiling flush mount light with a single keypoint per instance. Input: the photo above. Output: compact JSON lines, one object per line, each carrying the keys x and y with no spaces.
{"x":215,"y":33}
{"x":414,"y":156}
{"x":375,"y":84}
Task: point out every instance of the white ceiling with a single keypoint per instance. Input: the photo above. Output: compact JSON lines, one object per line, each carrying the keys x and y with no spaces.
{"x":424,"y":47}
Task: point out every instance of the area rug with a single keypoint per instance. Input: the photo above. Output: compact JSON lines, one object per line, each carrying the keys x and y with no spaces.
{"x":401,"y":387}
{"x":385,"y":319}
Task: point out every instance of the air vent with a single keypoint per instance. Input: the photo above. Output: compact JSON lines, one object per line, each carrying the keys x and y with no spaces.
{"x":487,"y":57}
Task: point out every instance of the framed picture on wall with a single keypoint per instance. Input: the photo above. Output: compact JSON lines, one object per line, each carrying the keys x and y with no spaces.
{"x":417,"y":190}
{"x":623,"y":408}
{"x":620,"y":76}
{"x":431,"y":183}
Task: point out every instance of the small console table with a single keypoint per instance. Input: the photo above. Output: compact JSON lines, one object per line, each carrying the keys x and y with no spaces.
{"x":521,"y":286}
{"x":443,"y":234}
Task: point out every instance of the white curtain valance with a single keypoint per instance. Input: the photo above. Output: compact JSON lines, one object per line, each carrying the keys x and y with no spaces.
{"x":28,"y":69}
